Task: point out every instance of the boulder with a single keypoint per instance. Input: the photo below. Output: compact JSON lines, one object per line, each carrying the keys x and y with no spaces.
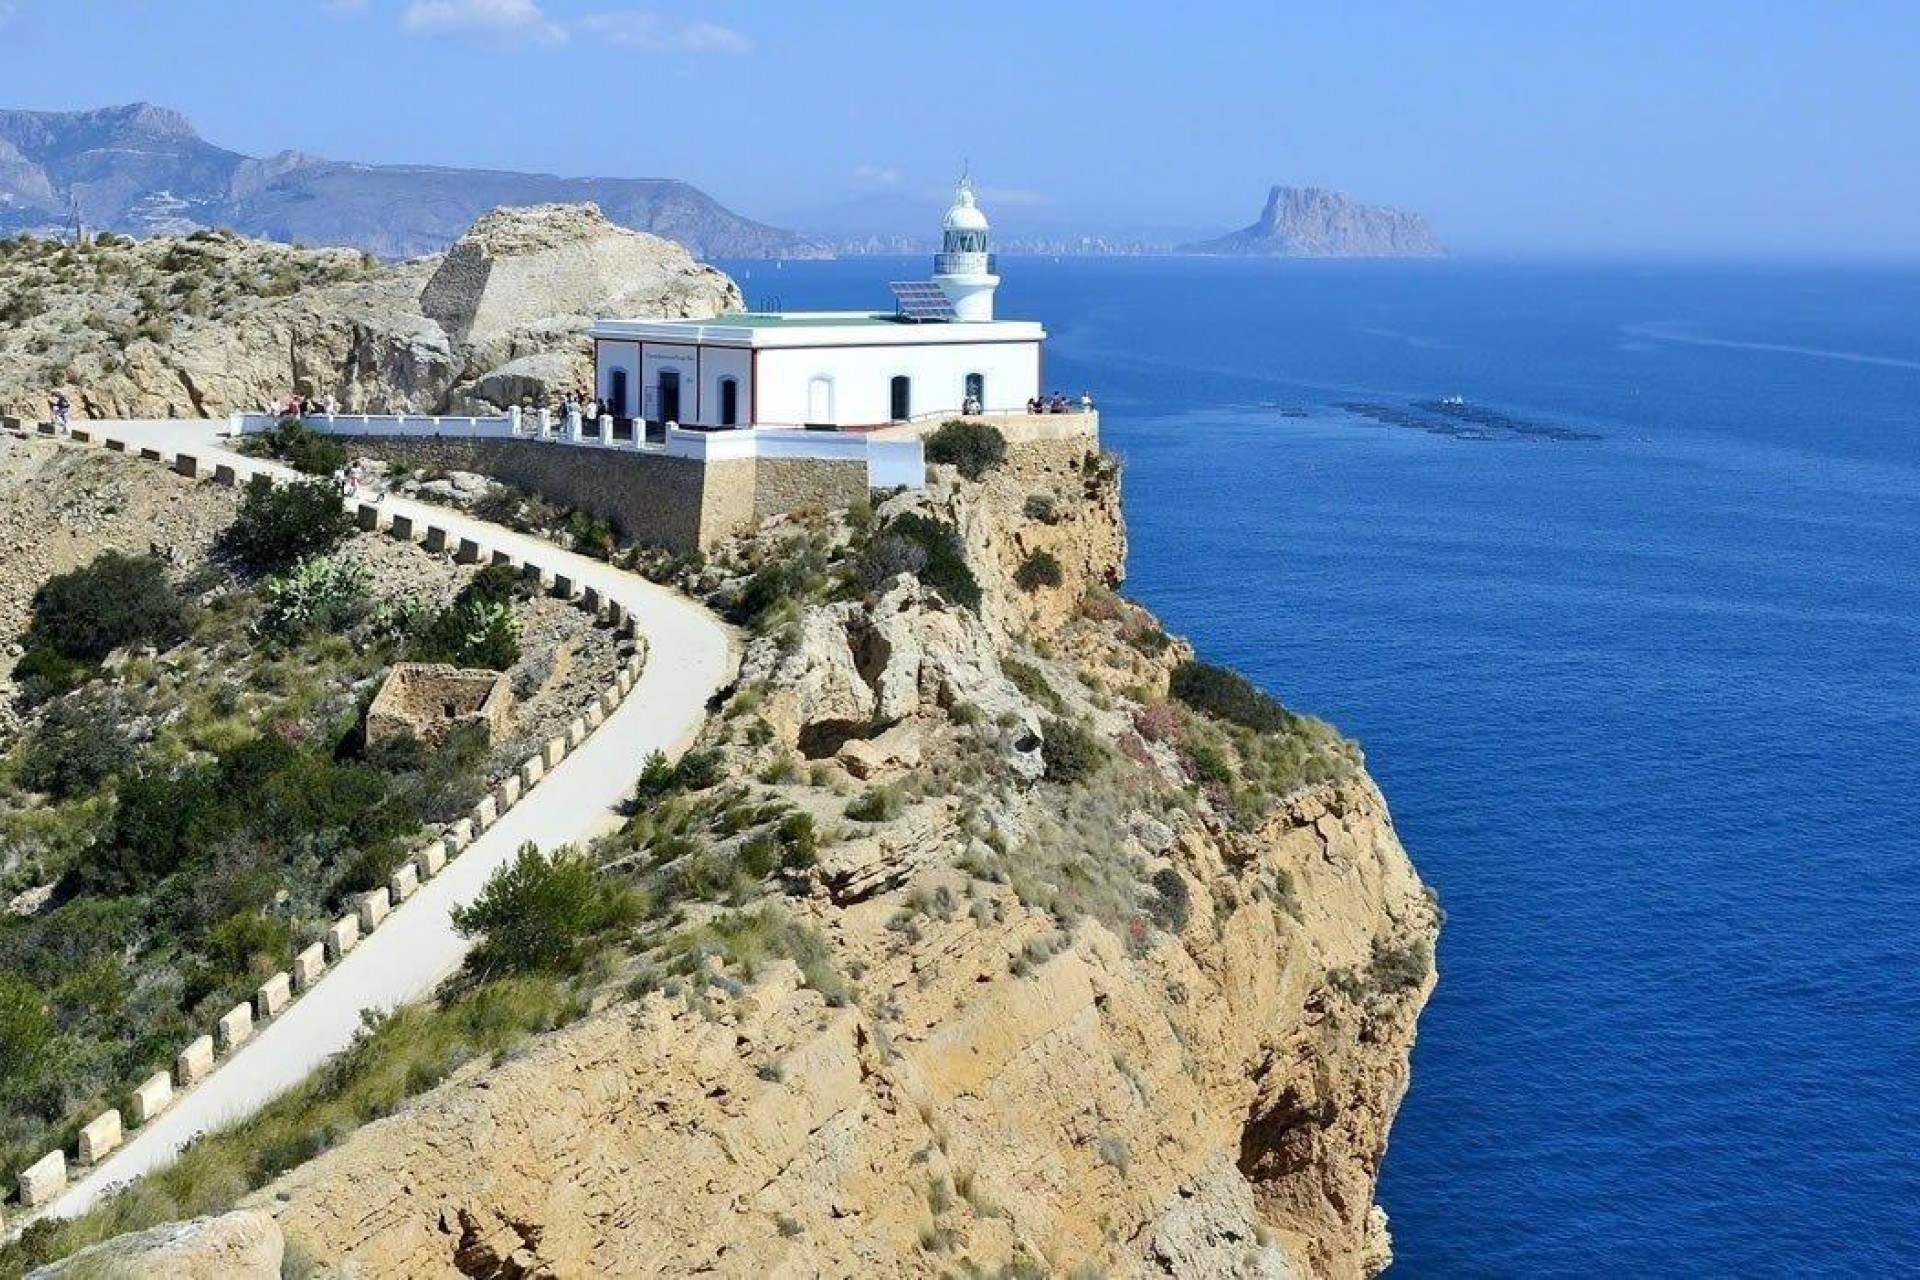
{"x":243,"y":1245}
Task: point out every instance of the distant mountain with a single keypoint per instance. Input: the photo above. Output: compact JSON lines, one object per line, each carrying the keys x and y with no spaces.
{"x":143,"y":170}
{"x":1311,"y":222}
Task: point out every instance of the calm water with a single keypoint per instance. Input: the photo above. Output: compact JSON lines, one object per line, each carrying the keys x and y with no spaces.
{"x":1646,"y":705}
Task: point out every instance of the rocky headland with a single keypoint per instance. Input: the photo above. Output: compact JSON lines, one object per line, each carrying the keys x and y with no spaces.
{"x":1312,"y":222}
{"x":209,"y":323}
{"x":984,"y":932}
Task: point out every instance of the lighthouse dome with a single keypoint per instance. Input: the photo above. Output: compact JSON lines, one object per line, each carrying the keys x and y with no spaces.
{"x":965,"y":215}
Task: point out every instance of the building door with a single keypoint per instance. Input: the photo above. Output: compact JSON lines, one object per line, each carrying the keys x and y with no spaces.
{"x":820,"y":401}
{"x":617,"y":393}
{"x":670,"y":395}
{"x":975,"y":390}
{"x":901,"y":398}
{"x":729,"y":402}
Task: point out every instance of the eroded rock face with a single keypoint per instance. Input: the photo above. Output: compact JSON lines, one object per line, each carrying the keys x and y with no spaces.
{"x":243,"y":1245}
{"x":500,"y":320}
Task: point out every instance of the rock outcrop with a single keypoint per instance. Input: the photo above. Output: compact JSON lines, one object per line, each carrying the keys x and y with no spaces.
{"x":212,"y":323}
{"x":243,"y":1245}
{"x":1312,"y":222}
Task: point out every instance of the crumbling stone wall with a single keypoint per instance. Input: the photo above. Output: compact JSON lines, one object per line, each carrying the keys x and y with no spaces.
{"x":427,"y":701}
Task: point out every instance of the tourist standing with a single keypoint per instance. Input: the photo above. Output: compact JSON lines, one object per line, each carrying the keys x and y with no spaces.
{"x":62,"y":411}
{"x":1086,"y":402}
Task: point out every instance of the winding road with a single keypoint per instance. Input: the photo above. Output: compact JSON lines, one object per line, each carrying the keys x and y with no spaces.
{"x":691,"y":654}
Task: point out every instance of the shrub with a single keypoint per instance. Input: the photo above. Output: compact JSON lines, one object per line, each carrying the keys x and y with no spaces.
{"x":1161,"y":722}
{"x":539,"y":914}
{"x":1399,"y":968}
{"x":1032,"y":682}
{"x":882,"y":804}
{"x":799,"y":843}
{"x":1041,"y":507}
{"x":77,"y":746}
{"x":591,"y":535}
{"x":1172,"y":904}
{"x":1039,"y":569}
{"x":480,"y":628}
{"x":890,"y":555}
{"x":281,"y":525}
{"x":1208,"y":763}
{"x":972,"y":448}
{"x":117,"y":599}
{"x":1228,"y":695}
{"x":946,"y":568}
{"x":1070,"y":753}
{"x":319,"y":594}
{"x":304,"y":449}
{"x":699,"y":770}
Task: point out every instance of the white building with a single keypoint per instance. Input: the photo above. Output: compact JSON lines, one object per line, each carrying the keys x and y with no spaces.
{"x":939,"y":352}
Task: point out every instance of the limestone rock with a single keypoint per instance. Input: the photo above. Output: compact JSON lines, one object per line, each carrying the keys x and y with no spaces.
{"x":517,"y":266}
{"x":243,"y":1245}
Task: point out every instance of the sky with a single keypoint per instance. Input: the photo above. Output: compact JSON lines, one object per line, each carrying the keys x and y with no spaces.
{"x":1689,"y":128}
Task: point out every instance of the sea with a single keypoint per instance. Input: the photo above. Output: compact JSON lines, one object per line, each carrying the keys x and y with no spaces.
{"x":1614,"y":572}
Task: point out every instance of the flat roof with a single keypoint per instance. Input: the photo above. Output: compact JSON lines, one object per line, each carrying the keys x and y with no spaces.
{"x":817,"y":328}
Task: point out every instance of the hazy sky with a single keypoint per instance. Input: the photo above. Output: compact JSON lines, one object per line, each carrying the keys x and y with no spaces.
{"x":1623,"y":127}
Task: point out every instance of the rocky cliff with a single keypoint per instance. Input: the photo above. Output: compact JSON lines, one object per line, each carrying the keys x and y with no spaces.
{"x":143,"y":170}
{"x":1080,"y":978}
{"x":1311,"y":222}
{"x":209,"y":323}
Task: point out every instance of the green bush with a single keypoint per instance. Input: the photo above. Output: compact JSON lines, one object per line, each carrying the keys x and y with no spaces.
{"x":591,"y":535}
{"x":1069,"y":752}
{"x":973,"y":448}
{"x":321,"y":594}
{"x":1030,"y":680}
{"x":1228,"y":695}
{"x":1039,"y":569}
{"x":78,"y":745}
{"x":1399,"y":968}
{"x":117,"y":599}
{"x":1172,"y":903}
{"x":882,"y":804}
{"x":480,"y":628}
{"x":945,"y":567}
{"x":304,"y":449}
{"x":540,"y":914}
{"x":281,"y":525}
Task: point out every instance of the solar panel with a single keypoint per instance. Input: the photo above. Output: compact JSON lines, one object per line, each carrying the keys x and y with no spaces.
{"x":921,"y":300}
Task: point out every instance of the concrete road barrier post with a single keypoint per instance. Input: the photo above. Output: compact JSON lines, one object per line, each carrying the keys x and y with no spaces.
{"x":556,"y":751}
{"x":343,"y":936}
{"x":101,"y":1135}
{"x":367,"y":516}
{"x":373,"y":909}
{"x":187,"y":465}
{"x":436,"y":539}
{"x":427,"y":862}
{"x":404,"y":883}
{"x":469,"y":552}
{"x":44,"y":1179}
{"x":152,"y":1097}
{"x":235,"y":1027}
{"x":532,"y":770}
{"x":309,"y":965}
{"x":225,"y":476}
{"x":194,"y":1063}
{"x":275,"y":994}
{"x":401,"y":528}
{"x":485,"y":814}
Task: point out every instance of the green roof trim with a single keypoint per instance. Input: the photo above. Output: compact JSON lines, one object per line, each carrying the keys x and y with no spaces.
{"x":778,"y":320}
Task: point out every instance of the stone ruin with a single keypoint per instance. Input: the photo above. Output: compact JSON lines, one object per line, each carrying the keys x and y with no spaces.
{"x":428,"y":701}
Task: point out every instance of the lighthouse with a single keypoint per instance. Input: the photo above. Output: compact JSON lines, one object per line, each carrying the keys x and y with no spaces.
{"x":963,"y":268}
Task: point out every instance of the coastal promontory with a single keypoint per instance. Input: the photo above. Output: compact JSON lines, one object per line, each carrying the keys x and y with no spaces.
{"x":1312,"y":222}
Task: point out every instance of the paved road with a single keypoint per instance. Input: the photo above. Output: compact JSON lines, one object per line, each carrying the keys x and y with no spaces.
{"x":690,"y":655}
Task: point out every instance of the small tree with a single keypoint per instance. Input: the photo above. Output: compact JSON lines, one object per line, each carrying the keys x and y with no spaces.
{"x":1040,"y":569}
{"x":281,"y":525}
{"x":118,"y":599}
{"x":539,"y":914}
{"x":304,"y":449}
{"x":1069,"y":752}
{"x":972,"y":448}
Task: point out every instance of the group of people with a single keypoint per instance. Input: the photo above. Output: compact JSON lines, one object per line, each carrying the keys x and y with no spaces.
{"x":580,"y":399}
{"x":1059,"y":403}
{"x":303,"y":406}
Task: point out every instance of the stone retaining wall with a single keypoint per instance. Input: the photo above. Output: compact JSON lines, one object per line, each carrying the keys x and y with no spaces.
{"x":681,"y":503}
{"x":45,"y":1180}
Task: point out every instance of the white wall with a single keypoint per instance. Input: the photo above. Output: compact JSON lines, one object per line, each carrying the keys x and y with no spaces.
{"x":862,"y":376}
{"x":718,"y":363}
{"x":617,"y":355}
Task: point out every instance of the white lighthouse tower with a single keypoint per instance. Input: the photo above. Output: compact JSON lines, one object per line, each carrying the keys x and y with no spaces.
{"x":963,"y":268}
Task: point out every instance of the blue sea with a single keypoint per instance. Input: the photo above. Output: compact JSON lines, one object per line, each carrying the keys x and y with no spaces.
{"x":1632,"y":641}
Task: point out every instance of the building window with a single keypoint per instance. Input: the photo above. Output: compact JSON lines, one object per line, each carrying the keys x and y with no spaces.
{"x":729,"y":402}
{"x":901,"y":397}
{"x":973,"y":395}
{"x":670,"y":395}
